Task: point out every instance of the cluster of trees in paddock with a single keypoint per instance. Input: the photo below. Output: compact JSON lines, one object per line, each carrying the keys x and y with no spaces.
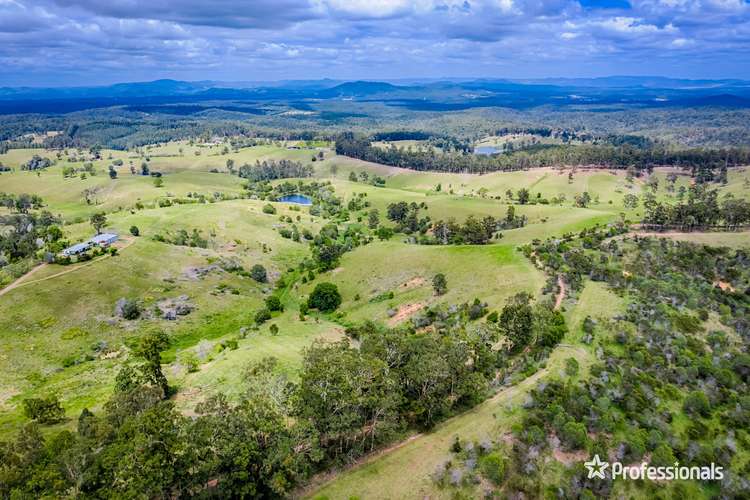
{"x":472,"y":231}
{"x":347,"y":402}
{"x":27,"y":233}
{"x":271,"y":170}
{"x":183,"y":237}
{"x":701,"y":209}
{"x":331,"y":243}
{"x":701,"y":162}
{"x":36,"y":163}
{"x":21,"y":203}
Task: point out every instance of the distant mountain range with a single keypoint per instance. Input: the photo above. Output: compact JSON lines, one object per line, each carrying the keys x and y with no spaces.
{"x":427,"y":95}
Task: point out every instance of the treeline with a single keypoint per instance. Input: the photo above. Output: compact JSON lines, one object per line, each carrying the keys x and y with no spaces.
{"x":701,"y":210}
{"x":401,"y":135}
{"x":348,"y":401}
{"x":608,"y":156}
{"x":272,"y":169}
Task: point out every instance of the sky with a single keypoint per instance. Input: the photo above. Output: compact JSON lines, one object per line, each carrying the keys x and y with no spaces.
{"x":96,"y":42}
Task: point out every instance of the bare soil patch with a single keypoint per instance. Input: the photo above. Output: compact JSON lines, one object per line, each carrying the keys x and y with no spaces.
{"x":566,"y":457}
{"x":413,"y":283}
{"x":404,"y":312}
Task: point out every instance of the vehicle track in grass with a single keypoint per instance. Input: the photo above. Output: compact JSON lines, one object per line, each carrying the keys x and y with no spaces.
{"x":21,"y":281}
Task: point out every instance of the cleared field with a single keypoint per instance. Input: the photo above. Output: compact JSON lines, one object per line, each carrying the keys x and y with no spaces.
{"x":491,"y":273}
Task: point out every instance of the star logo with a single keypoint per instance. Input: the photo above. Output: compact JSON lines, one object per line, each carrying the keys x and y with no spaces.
{"x":596,"y":467}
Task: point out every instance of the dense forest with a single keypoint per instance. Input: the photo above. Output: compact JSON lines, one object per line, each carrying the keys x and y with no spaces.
{"x":701,"y":162}
{"x":124,"y":127}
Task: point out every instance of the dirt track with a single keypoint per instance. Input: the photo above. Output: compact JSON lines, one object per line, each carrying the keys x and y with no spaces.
{"x":22,"y":280}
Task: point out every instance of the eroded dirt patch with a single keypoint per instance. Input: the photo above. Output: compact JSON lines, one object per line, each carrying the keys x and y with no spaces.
{"x":413,"y":283}
{"x":404,"y":312}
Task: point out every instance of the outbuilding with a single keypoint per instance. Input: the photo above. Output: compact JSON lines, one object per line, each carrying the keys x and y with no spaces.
{"x":103,"y":240}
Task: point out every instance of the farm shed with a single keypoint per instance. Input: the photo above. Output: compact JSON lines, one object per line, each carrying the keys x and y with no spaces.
{"x":104,"y":239}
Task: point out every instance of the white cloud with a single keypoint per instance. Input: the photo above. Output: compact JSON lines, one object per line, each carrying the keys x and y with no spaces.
{"x":364,"y":36}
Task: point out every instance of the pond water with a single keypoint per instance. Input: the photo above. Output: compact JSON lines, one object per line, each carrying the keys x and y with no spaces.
{"x":486,"y":150}
{"x":299,"y":199}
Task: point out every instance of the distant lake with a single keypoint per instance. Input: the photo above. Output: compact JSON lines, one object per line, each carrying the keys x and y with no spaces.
{"x":486,"y":150}
{"x":299,"y":199}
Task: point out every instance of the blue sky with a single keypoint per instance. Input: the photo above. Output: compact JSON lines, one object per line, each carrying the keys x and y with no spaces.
{"x":86,"y":42}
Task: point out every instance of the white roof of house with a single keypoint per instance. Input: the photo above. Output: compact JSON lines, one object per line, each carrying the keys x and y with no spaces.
{"x":78,"y":247}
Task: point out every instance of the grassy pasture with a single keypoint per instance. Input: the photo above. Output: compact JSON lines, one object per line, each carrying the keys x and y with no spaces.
{"x":491,"y":273}
{"x":62,"y":316}
{"x":183,"y":173}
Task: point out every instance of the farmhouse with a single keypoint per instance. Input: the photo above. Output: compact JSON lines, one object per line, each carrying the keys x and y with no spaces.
{"x":76,"y":249}
{"x":103,"y":240}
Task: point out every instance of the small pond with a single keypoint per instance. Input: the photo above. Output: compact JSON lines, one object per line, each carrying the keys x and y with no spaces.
{"x":486,"y":150}
{"x":299,"y":199}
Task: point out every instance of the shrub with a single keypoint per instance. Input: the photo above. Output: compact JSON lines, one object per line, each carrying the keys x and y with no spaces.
{"x":131,"y":310}
{"x":696,"y":403}
{"x":325,"y":297}
{"x":258,"y":273}
{"x":45,"y":411}
{"x":135,"y":231}
{"x":269,"y":209}
{"x":262,"y":316}
{"x":571,"y":367}
{"x":190,"y":360}
{"x":274,"y":329}
{"x":574,"y":435}
{"x":493,"y":467}
{"x":273,"y":303}
{"x":663,"y":456}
